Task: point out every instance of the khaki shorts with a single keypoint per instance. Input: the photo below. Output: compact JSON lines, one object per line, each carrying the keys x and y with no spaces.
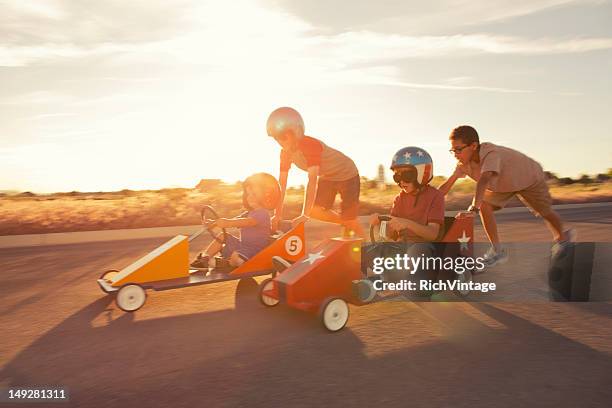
{"x":536,"y":197}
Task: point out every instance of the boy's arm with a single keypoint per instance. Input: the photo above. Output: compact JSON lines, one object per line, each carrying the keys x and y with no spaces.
{"x":309,"y":194}
{"x":428,"y":232}
{"x":481,"y":186}
{"x":431,"y":228}
{"x":235,"y":222}
{"x":278,"y":212}
{"x":448,"y":184}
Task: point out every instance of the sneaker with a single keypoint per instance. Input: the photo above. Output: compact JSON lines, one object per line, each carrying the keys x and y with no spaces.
{"x":492,"y":257}
{"x":201,"y":262}
{"x":560,"y":246}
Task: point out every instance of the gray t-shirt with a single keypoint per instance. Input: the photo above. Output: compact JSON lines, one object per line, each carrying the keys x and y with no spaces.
{"x":514,"y":170}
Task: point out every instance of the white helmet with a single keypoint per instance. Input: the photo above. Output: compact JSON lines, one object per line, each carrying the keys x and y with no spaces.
{"x":284,"y":119}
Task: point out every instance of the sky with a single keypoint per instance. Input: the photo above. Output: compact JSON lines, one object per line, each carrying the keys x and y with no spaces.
{"x":107,"y":95}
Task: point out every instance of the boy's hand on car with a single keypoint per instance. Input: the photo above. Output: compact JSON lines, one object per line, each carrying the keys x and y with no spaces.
{"x":396,"y":224}
{"x":374,"y":219}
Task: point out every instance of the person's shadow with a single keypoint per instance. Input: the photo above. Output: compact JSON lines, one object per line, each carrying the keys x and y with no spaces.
{"x":257,"y":356}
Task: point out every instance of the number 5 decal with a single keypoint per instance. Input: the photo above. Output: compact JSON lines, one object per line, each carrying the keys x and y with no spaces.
{"x":293,"y":245}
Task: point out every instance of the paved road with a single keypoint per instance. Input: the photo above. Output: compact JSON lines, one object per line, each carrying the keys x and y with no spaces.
{"x":215,"y":346}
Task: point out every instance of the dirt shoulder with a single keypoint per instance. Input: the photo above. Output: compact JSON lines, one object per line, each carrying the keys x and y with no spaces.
{"x":76,"y":211}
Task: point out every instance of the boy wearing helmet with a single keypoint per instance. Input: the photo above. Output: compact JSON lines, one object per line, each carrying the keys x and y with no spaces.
{"x":501,"y":173}
{"x":418,"y":210}
{"x":260,"y":194}
{"x":329,"y":172}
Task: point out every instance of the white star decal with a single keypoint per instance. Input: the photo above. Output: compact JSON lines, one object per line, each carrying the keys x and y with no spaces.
{"x":312,"y":258}
{"x":407,"y":155}
{"x":464,"y":241}
{"x":420,"y":153}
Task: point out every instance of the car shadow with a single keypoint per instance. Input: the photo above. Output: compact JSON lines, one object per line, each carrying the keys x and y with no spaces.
{"x":257,"y":356}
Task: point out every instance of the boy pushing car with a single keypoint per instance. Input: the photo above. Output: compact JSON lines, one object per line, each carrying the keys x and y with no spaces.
{"x":501,"y":173}
{"x":330,"y":172}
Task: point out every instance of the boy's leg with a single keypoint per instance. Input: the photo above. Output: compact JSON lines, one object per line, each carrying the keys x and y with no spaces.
{"x":349,"y":193}
{"x":555,"y":225}
{"x":490,"y":225}
{"x":324,"y":201}
{"x":236,"y":259}
{"x":353,"y":226}
{"x":537,"y":198}
{"x":492,"y":202}
{"x":217,"y":243}
{"x":425,"y":272}
{"x":324,"y":214}
{"x":349,"y":207}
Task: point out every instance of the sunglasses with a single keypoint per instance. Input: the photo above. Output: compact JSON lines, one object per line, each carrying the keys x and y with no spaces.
{"x":407,"y":176}
{"x":458,"y":149}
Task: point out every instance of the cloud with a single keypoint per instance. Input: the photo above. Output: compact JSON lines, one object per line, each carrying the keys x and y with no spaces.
{"x":45,"y":116}
{"x":156,"y":33}
{"x":444,"y":87}
{"x":365,"y":46}
{"x":257,"y":48}
{"x":37,"y":98}
{"x":408,"y":17}
{"x":89,"y":23}
{"x":390,"y":76}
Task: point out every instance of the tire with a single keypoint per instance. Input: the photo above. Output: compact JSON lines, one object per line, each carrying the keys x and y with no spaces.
{"x":334,"y":314}
{"x":108,"y":275}
{"x":131,"y":297}
{"x":363,"y":290}
{"x":464,"y":277}
{"x":265,"y":300}
{"x":246,"y":290}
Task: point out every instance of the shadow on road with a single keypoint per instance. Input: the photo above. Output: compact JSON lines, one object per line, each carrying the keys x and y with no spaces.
{"x":256,"y":356}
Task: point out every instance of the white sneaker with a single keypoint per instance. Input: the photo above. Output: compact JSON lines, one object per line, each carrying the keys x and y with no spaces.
{"x":492,"y":257}
{"x":559,"y":246}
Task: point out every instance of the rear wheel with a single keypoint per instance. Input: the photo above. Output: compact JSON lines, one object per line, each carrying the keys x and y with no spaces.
{"x":463,"y":278}
{"x":108,"y":276}
{"x":246,"y":290}
{"x":266,"y":300}
{"x":363,"y":290}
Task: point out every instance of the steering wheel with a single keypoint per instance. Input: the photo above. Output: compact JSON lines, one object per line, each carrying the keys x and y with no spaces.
{"x":209,"y":214}
{"x":378,"y":232}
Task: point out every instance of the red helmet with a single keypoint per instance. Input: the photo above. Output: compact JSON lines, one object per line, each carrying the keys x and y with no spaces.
{"x":266,"y":189}
{"x":284,"y":119}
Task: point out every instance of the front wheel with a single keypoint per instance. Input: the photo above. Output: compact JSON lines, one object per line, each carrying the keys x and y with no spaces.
{"x":131,"y":297}
{"x":334,"y":314}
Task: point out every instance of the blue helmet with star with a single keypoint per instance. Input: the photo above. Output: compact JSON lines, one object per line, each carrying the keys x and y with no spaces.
{"x":414,"y":157}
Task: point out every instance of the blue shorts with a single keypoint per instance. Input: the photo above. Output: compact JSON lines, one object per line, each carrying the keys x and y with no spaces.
{"x":233,"y":244}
